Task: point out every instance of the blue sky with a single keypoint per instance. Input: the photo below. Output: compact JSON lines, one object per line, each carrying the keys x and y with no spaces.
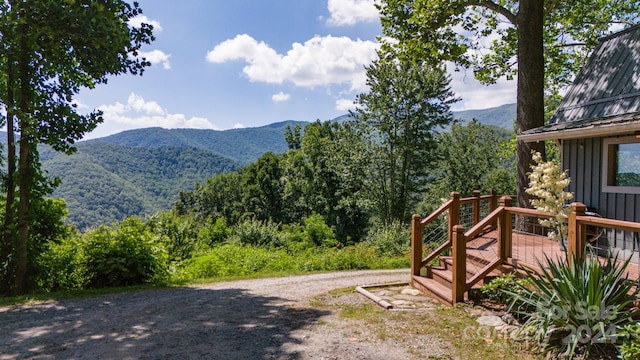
{"x":222,"y":64}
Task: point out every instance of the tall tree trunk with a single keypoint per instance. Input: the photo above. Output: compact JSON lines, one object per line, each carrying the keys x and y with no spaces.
{"x":25,"y":175}
{"x":8,"y":229}
{"x":24,"y":189}
{"x":530,"y":100}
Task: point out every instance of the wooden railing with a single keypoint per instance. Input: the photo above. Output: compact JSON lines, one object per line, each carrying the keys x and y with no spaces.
{"x":452,"y":206}
{"x":500,"y":218}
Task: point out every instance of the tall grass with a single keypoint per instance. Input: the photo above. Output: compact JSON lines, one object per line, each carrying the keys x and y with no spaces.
{"x":232,"y":260}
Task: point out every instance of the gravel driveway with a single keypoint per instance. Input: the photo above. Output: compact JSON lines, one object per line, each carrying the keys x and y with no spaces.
{"x":249,"y":319}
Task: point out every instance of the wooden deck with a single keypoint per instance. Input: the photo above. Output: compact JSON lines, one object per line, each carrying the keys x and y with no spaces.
{"x":491,"y":245}
{"x":527,"y":251}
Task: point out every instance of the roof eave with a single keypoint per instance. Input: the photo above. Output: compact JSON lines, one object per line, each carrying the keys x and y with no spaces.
{"x":583,"y":132}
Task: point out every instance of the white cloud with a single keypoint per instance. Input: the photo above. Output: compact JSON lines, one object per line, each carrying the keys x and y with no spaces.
{"x":345,"y":105}
{"x":139,"y":113}
{"x":280,"y":97}
{"x":475,"y":95}
{"x":350,"y":12}
{"x":157,"y":57}
{"x":319,"y":61}
{"x":137,"y":21}
{"x":238,"y":126}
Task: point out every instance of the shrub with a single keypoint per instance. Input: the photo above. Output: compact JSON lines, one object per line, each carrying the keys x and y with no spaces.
{"x":257,"y":233}
{"x":317,"y":232}
{"x":501,"y":288}
{"x":179,"y":233}
{"x":60,"y":266}
{"x":390,"y":240}
{"x":630,"y":347}
{"x":216,"y":233}
{"x":128,"y":254}
{"x":578,"y":305}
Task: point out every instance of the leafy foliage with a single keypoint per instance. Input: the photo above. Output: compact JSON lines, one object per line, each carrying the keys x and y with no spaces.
{"x":242,"y":260}
{"x":405,"y":105}
{"x":128,"y":254}
{"x":454,"y":30}
{"x":579,"y":305}
{"x":392,"y":240}
{"x":470,"y":159}
{"x":501,"y":288}
{"x":630,"y":347}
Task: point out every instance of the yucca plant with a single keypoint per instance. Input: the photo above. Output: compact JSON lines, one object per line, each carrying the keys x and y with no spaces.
{"x":578,"y":306}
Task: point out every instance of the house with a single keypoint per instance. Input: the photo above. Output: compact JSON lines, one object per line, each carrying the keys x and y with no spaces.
{"x":597,"y":126}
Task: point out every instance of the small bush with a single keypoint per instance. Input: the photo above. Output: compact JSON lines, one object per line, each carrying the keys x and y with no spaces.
{"x":390,"y":240}
{"x":317,"y":232}
{"x":257,"y":233}
{"x":630,"y":347}
{"x":179,"y":233}
{"x":60,"y":266}
{"x":216,"y":233}
{"x":125,"y":255}
{"x":501,"y":288}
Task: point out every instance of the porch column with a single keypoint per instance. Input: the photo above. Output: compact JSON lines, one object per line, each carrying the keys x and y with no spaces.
{"x":577,"y":232}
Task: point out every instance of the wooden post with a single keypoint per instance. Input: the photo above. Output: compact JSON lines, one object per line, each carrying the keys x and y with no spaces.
{"x":454,"y":214}
{"x":416,"y":245}
{"x":505,"y":230}
{"x":493,"y":204}
{"x":493,"y":201}
{"x":577,"y":232}
{"x":459,"y":252}
{"x":475,"y":213}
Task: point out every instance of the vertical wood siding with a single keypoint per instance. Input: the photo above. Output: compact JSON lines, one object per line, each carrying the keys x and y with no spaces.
{"x":584,"y":160}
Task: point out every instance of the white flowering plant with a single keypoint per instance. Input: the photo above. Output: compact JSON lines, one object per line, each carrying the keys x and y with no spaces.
{"x":547,"y":183}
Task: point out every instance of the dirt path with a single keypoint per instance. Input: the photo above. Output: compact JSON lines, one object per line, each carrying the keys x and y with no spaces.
{"x":249,"y":319}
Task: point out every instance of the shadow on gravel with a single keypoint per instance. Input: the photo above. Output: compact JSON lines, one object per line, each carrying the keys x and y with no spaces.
{"x":177,"y":323}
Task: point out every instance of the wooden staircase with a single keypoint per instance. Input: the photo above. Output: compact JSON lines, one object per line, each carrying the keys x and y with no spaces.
{"x":465,"y":260}
{"x":438,"y":280}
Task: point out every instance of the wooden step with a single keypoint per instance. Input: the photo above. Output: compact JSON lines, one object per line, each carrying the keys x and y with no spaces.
{"x":442,"y":275}
{"x":432,"y":288}
{"x":473,"y":267}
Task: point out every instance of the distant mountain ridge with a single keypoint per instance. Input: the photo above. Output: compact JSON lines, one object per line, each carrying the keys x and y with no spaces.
{"x":502,"y":116}
{"x":242,"y":145}
{"x":142,"y":171}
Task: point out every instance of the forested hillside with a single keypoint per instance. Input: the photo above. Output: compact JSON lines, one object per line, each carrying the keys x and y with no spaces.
{"x":104,"y":182}
{"x":502,"y":116}
{"x":140,"y":172}
{"x":243,"y":145}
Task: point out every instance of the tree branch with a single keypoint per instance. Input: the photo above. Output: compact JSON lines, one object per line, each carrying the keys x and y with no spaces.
{"x":496,"y":8}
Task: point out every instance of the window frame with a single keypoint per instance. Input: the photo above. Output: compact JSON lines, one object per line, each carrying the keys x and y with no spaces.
{"x":609,"y":151}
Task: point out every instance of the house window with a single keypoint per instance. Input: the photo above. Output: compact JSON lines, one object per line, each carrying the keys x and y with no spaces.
{"x":621,"y":165}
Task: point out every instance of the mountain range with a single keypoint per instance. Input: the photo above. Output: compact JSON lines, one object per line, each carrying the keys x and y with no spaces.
{"x":140,"y":172}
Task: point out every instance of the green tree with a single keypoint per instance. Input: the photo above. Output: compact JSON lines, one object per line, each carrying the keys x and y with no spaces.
{"x":469,"y":159}
{"x":543,"y":42}
{"x":263,"y":189}
{"x":406,"y":103}
{"x":219,"y":196}
{"x":50,"y":50}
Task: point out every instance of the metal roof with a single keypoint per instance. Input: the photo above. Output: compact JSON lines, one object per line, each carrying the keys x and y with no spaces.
{"x":605,"y":92}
